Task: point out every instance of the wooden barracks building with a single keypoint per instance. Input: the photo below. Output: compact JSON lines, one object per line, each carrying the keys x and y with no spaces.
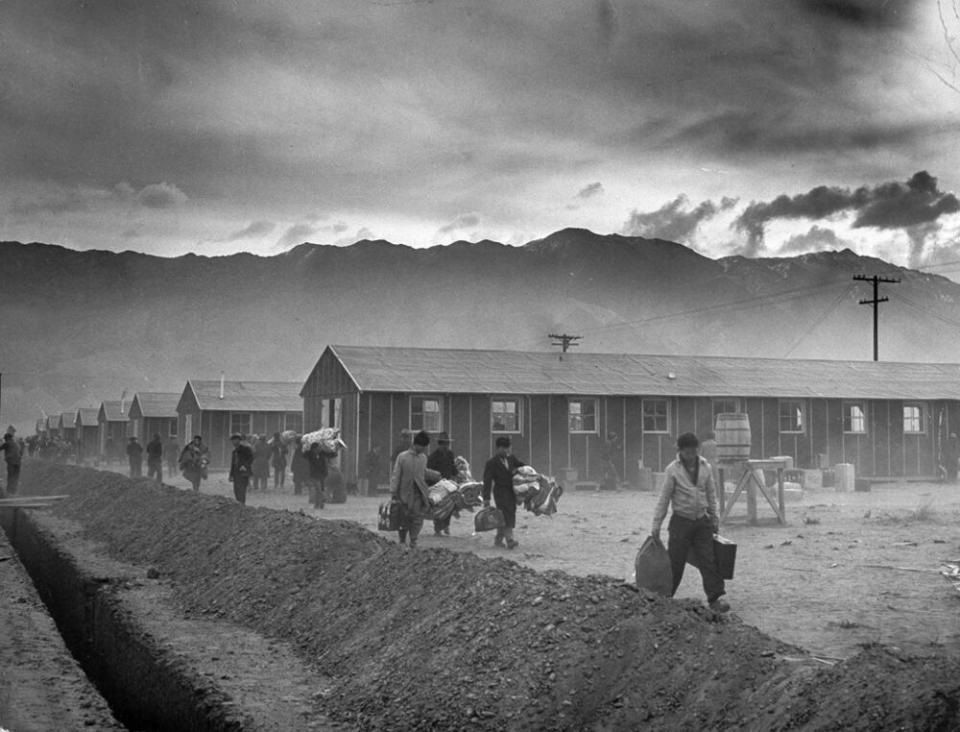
{"x":216,"y":409}
{"x":888,"y":419}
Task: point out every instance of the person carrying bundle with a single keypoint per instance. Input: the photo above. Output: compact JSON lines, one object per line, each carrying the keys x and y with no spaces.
{"x":408,"y":486}
{"x":498,"y":479}
{"x":444,"y":462}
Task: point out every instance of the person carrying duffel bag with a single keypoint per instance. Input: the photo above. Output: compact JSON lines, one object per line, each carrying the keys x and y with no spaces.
{"x":689,"y":487}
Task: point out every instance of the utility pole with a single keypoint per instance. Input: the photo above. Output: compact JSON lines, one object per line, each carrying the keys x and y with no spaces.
{"x":875,"y":301}
{"x":565,"y":341}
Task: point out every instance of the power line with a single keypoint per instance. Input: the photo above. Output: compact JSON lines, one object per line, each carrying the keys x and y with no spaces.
{"x":875,"y":302}
{"x":747,"y":303}
{"x":565,"y":341}
{"x":830,"y":308}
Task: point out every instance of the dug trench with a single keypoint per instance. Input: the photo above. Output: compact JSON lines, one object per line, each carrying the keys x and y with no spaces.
{"x":192,"y":612}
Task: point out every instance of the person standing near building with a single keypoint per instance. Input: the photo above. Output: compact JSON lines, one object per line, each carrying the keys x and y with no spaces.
{"x":241,"y":467}
{"x":444,"y":462}
{"x":299,"y":467}
{"x":408,"y":485}
{"x":171,"y":452}
{"x":155,"y":458}
{"x":12,"y":455}
{"x":373,"y":464}
{"x":261,"y":464}
{"x":317,"y":460}
{"x":194,"y":460}
{"x":135,"y":455}
{"x":278,"y":459}
{"x":689,"y":487}
{"x":498,"y":478}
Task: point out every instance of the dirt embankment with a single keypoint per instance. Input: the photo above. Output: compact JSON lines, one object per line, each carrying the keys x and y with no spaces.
{"x":437,"y":639}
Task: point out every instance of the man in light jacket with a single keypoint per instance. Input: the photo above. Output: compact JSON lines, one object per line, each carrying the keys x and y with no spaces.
{"x":408,"y":484}
{"x":689,"y":486}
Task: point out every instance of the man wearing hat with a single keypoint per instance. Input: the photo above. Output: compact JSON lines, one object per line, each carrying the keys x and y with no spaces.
{"x":444,"y":462}
{"x":498,"y":477}
{"x":241,"y":466}
{"x":408,"y":485}
{"x":688,"y":485}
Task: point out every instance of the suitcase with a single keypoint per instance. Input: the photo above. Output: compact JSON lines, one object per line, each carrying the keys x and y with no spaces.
{"x":725,"y":553}
{"x":389,"y":516}
{"x":488,"y":519}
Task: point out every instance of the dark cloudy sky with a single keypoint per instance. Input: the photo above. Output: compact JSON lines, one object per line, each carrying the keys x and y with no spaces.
{"x":213,"y":127}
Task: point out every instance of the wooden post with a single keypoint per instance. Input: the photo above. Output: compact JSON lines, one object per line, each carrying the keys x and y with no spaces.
{"x":721,"y":491}
{"x":780,"y":496}
{"x":751,"y":496}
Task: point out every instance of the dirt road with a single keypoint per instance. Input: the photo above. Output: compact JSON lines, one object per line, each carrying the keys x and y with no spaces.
{"x":848,"y":568}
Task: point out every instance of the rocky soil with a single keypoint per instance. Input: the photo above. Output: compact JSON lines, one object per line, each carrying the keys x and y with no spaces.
{"x":429,"y":638}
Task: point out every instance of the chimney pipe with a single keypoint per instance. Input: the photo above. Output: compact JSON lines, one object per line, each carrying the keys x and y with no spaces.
{"x":221,"y":385}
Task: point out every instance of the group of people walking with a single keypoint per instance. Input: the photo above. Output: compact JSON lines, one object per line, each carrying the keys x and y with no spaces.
{"x":688,"y":487}
{"x":408,"y":486}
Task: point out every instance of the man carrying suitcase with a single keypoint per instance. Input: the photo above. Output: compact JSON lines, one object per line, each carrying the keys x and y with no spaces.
{"x":498,"y":479}
{"x":689,"y":486}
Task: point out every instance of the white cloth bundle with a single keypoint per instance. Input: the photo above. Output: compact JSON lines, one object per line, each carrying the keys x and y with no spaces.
{"x":440,"y":489}
{"x":328,"y":437}
{"x":525,"y":480}
{"x":463,"y":469}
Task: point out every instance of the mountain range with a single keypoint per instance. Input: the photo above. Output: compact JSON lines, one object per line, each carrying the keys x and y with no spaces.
{"x":79,"y":327}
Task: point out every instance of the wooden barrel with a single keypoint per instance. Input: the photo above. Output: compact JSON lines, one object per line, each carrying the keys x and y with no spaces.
{"x":733,"y":437}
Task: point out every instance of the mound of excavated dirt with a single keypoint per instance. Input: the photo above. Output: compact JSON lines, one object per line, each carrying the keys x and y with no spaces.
{"x":417,"y":639}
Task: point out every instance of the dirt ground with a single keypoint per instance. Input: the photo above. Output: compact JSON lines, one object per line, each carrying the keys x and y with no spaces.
{"x":41,"y":686}
{"x":436,"y":639}
{"x":847,"y":569}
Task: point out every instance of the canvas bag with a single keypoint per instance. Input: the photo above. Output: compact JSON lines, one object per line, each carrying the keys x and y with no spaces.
{"x":389,"y":519}
{"x":653,"y":570}
{"x":488,"y":519}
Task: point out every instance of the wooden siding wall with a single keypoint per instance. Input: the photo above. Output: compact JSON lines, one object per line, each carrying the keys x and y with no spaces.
{"x":89,"y":442}
{"x":883,"y":451}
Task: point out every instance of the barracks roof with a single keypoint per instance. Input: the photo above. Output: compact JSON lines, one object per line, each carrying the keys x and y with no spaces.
{"x":396,"y":369}
{"x":246,"y":396}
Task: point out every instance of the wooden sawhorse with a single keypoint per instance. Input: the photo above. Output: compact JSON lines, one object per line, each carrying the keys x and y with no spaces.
{"x":749,"y":483}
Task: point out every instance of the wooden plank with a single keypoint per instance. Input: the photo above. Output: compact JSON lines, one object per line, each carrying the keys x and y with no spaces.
{"x":32,"y":499}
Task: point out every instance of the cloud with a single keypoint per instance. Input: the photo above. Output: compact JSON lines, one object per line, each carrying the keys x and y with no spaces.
{"x":56,"y":199}
{"x":864,"y":14}
{"x":892,"y":205}
{"x":294,"y":235}
{"x":674,"y":221}
{"x":253,"y":230}
{"x":900,"y":205}
{"x":161,"y":195}
{"x":361,"y":234}
{"x":816,"y":239}
{"x":465,"y":221}
{"x":594,"y":189}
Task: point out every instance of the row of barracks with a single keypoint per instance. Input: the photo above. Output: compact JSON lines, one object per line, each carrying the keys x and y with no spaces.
{"x":575,"y":410}
{"x":563,"y":411}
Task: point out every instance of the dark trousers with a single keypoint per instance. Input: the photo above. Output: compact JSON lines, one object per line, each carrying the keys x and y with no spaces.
{"x":13,"y":477}
{"x":155,"y":467}
{"x":441,"y":525}
{"x":411,"y":522}
{"x":694,"y":537}
{"x":317,"y":495}
{"x":279,"y":475}
{"x":240,"y":483}
{"x":136,"y":467}
{"x":506,"y":501}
